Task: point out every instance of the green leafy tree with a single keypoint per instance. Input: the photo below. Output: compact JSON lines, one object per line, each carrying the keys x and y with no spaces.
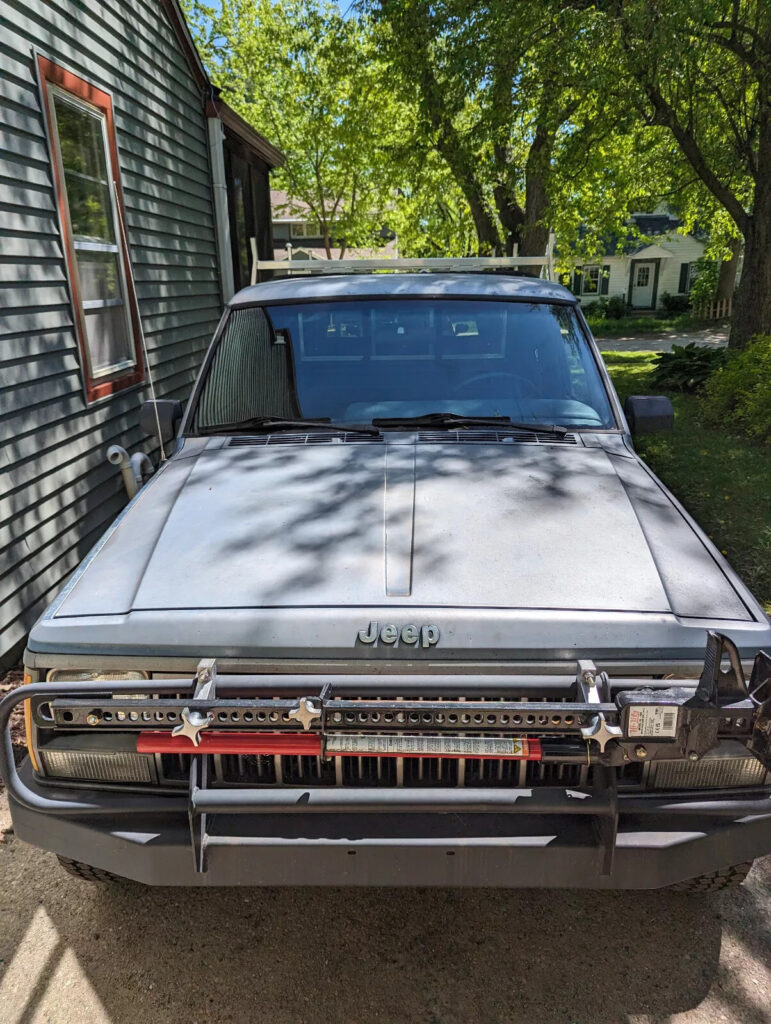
{"x":699,"y":72}
{"x":430,"y":216}
{"x":312,"y":81}
{"x":481,"y":107}
{"x":520,"y":103}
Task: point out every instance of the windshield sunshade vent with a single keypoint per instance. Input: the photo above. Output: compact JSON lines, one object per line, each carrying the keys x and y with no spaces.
{"x":311,"y":437}
{"x":503,"y":436}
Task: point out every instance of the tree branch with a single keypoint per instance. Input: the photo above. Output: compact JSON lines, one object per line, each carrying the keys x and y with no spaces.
{"x":669,"y":119}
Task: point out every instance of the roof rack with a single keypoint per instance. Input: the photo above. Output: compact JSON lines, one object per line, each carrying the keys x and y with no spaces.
{"x":464,"y":264}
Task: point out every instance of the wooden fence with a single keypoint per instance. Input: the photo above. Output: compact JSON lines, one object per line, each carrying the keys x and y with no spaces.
{"x":717,"y":310}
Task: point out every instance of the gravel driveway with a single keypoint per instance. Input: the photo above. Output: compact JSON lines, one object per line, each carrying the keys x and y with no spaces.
{"x":71,"y":953}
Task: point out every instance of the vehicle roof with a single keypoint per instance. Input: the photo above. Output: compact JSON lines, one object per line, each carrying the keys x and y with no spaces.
{"x":434,"y":285}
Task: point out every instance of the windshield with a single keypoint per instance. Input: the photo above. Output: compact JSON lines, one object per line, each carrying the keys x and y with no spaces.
{"x":352,"y":362}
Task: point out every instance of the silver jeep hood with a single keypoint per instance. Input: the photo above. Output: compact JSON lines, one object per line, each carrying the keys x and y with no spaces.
{"x":237,"y":548}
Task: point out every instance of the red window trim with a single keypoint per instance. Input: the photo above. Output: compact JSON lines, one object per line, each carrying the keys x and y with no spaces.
{"x":52,"y":74}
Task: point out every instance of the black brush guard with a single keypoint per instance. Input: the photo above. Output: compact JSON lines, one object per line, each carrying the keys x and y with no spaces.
{"x":721,"y":700}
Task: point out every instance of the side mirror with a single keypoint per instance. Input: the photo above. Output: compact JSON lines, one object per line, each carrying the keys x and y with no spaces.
{"x":165,"y":411}
{"x":649,"y":414}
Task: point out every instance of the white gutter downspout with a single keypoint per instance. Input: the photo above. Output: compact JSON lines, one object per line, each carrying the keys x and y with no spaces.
{"x":216,"y":136}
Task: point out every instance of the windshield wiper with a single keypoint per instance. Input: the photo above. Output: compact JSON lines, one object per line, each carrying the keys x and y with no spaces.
{"x":268,"y":423}
{"x":452,"y":419}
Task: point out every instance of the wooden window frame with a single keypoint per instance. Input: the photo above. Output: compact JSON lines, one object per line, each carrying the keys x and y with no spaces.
{"x":84,"y":92}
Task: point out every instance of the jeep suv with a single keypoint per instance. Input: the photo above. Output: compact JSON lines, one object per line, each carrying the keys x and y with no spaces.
{"x":403,"y":607}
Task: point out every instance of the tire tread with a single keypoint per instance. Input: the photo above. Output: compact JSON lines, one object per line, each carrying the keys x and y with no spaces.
{"x":725,"y":878}
{"x":86,"y":872}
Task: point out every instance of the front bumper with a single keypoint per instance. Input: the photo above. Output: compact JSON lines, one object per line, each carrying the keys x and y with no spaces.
{"x":598,"y":835}
{"x":364,"y":847}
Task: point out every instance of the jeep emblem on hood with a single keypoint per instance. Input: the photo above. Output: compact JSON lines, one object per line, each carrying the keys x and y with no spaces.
{"x":427,"y":636}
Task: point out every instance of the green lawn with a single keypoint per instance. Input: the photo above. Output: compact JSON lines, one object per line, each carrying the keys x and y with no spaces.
{"x":723,"y":480}
{"x":609,"y":328}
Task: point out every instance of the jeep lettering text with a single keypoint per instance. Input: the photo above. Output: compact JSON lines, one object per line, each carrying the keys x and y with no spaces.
{"x":428,"y":636}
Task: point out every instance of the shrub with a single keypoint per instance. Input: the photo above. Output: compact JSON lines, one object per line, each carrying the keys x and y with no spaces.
{"x":675,"y":303}
{"x":595,"y":309}
{"x":686,"y":367}
{"x":738,"y":394}
{"x":616,"y":307}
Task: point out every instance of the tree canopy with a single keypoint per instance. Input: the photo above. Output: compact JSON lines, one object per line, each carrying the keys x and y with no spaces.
{"x":699,"y":71}
{"x":314,"y":83}
{"x":475,"y":127}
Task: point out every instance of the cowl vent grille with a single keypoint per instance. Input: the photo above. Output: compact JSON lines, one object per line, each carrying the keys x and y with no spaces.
{"x":502,"y":436}
{"x":311,"y":437}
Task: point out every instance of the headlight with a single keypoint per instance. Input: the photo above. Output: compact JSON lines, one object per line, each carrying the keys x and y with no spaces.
{"x":72,"y":675}
{"x":728,"y":766}
{"x":97,"y":759}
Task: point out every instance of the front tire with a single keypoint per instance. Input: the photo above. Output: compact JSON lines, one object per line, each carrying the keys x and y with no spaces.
{"x":715,"y":881}
{"x":87,"y":873}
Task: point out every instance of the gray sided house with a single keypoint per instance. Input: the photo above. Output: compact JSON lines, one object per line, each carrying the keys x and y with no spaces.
{"x":128,"y":194}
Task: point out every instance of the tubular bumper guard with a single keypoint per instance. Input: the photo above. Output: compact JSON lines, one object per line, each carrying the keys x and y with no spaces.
{"x":494,"y":836}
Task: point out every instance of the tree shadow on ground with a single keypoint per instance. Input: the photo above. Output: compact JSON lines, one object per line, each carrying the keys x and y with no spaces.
{"x":348,"y":955}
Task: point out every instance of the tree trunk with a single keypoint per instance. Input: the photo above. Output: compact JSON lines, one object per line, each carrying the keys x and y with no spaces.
{"x":511,"y":215}
{"x":535,"y":232}
{"x":487,"y":233}
{"x":752,"y":308}
{"x":726,"y":281}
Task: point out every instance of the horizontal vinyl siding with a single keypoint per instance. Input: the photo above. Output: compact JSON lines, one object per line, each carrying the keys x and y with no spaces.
{"x":57,"y":492}
{"x":684,"y":249}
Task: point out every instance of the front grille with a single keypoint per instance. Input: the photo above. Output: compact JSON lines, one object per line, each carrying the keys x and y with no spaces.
{"x":430,"y":771}
{"x":174,"y":768}
{"x":368,"y":771}
{"x":410,"y":772}
{"x":249,"y":769}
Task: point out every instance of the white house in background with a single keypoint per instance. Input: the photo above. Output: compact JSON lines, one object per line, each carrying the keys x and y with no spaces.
{"x":643,"y":270}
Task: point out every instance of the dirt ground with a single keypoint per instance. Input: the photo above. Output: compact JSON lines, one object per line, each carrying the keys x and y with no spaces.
{"x":72,"y":952}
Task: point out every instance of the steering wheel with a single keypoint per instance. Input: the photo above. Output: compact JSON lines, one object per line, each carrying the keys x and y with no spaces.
{"x":529,"y":386}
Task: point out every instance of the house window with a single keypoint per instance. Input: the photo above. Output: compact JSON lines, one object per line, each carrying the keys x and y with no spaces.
{"x":308,"y":229}
{"x":590,"y":281}
{"x":85,"y":159}
{"x":688,"y":274}
{"x":643,"y":277}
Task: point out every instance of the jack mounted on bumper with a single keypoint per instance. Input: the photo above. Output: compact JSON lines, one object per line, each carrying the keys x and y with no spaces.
{"x":590,"y":748}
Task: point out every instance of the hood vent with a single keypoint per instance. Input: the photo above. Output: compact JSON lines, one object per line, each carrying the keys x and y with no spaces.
{"x":495,"y":436}
{"x":309,"y":437}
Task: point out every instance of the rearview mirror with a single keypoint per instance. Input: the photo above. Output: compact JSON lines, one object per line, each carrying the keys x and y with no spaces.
{"x":649,"y":414}
{"x":165,"y":412}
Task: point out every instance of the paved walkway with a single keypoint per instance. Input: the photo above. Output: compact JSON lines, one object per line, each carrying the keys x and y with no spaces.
{"x":714,"y":337}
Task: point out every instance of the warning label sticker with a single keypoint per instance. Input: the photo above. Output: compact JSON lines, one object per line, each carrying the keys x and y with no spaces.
{"x":652,"y":721}
{"x":427,"y":746}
